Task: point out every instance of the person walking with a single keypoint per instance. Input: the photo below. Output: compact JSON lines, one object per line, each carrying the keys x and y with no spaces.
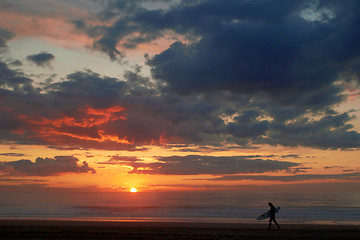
{"x":272,"y":215}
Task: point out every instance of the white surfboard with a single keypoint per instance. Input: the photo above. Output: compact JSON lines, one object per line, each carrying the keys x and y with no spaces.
{"x":267,"y":214}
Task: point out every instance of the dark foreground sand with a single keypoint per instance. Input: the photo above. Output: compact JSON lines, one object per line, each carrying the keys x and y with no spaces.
{"x":33,"y":229}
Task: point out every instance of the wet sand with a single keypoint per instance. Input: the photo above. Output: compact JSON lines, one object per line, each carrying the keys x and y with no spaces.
{"x":42,"y":229}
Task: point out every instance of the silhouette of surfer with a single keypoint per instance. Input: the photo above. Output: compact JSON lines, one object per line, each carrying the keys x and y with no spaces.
{"x":272,"y":215}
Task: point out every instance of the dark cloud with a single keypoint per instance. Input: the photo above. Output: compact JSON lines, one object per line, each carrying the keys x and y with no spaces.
{"x":251,"y":47}
{"x":41,"y":59}
{"x":333,"y":167}
{"x":12,"y":154}
{"x":86,"y":88}
{"x":5,"y":35}
{"x":123,"y":29}
{"x":290,"y":178}
{"x":87,"y":110}
{"x":15,"y":87}
{"x":21,"y":180}
{"x":260,"y":48}
{"x":45,"y":166}
{"x":91,"y":31}
{"x":298,"y":169}
{"x":290,"y":156}
{"x":15,"y":63}
{"x":332,"y":131}
{"x":122,"y":160}
{"x":15,"y":81}
{"x":196,"y":165}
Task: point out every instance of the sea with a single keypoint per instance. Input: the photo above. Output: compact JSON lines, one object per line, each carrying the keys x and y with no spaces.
{"x":182,"y":206}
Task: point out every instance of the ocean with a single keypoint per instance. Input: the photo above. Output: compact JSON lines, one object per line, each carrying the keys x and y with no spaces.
{"x":191,"y":206}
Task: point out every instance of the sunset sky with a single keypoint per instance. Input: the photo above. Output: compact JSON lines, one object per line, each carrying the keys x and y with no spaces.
{"x":109,"y":95}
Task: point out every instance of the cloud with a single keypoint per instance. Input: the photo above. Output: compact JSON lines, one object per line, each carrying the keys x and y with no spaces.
{"x":15,"y":63}
{"x":298,"y":169}
{"x":290,"y":178}
{"x":197,"y":165}
{"x":5,"y":35}
{"x":12,"y":154}
{"x":333,"y":167}
{"x":41,"y":59}
{"x":264,"y":53}
{"x":109,"y":37}
{"x":238,"y":74}
{"x":331,"y":131}
{"x":91,"y":31}
{"x":46,"y":166}
{"x":90,"y":116}
{"x":257,"y":48}
{"x":87,"y":110}
{"x":290,"y":156}
{"x":14,"y":80}
{"x":21,"y":180}
{"x":122,"y":160}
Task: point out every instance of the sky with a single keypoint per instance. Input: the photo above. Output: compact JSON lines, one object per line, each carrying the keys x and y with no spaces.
{"x":108,"y":95}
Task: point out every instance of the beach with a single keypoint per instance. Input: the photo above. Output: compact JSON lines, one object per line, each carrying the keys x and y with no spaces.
{"x":57,"y":229}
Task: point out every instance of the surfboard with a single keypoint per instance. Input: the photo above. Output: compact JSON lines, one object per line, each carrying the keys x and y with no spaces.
{"x":267,"y":214}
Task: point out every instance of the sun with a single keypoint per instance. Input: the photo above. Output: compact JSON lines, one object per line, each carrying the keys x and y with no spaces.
{"x":133,"y":190}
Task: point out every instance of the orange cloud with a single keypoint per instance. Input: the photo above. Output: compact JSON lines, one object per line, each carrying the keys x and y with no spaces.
{"x":88,"y":126}
{"x":93,"y":117}
{"x":50,"y":135}
{"x":101,"y":116}
{"x":353,"y":95}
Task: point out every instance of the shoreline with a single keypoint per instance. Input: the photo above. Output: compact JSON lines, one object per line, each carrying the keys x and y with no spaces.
{"x":65,"y":229}
{"x":224,"y":221}
{"x":164,"y":223}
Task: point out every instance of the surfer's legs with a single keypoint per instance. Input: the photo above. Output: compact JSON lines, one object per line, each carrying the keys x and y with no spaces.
{"x":272,"y":219}
{"x":276,"y":224}
{"x":270,"y":223}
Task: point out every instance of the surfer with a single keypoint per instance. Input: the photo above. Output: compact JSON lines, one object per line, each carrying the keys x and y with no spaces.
{"x":272,"y":215}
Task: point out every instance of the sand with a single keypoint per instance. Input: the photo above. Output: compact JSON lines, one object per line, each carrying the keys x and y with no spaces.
{"x":42,"y":229}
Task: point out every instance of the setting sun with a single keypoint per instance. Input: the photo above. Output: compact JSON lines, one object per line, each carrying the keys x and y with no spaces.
{"x":133,"y":190}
